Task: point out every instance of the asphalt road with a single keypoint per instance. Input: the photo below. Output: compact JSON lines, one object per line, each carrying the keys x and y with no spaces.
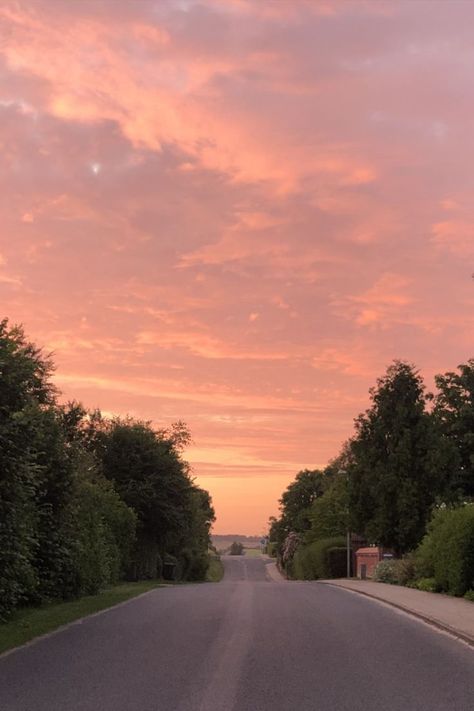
{"x":245,"y":644}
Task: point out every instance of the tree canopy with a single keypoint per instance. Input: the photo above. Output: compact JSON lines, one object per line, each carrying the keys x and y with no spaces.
{"x":85,"y":500}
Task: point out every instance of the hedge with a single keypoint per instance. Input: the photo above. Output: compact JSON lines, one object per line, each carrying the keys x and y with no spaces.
{"x":325,"y":558}
{"x":447,"y":551}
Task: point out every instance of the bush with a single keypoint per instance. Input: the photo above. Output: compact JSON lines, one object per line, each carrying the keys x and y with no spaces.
{"x":289,"y":548}
{"x":272,"y":549}
{"x":469,"y":595}
{"x":236,"y":548}
{"x":425,"y":584}
{"x":386,"y":572}
{"x":395,"y":571}
{"x":322,"y":559}
{"x":447,"y":551}
{"x":194,"y":564}
{"x":406,"y":569}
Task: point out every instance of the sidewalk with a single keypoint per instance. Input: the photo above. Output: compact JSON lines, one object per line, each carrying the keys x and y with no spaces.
{"x":272,"y":571}
{"x":451,"y":614}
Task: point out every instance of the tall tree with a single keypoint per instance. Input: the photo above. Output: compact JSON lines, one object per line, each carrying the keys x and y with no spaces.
{"x":295,"y":505}
{"x":454,"y":414}
{"x":25,"y":390}
{"x":329,"y":513}
{"x":392,"y":483}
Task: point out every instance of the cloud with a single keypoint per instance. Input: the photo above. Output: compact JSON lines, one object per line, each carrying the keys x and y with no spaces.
{"x":238,"y":213}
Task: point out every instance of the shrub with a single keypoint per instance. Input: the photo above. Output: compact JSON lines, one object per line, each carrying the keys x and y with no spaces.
{"x":386,"y":572}
{"x":236,"y":548}
{"x":272,"y":549}
{"x":194,"y":564}
{"x":406,"y":569}
{"x":290,"y":546}
{"x":398,"y":571}
{"x":321,"y":559}
{"x":447,"y":551}
{"x":469,"y":595}
{"x":425,"y":584}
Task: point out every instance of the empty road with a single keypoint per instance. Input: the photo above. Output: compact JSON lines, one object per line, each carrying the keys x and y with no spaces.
{"x":245,"y":644}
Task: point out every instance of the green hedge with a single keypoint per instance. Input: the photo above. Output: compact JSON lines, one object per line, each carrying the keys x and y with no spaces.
{"x":325,"y":558}
{"x":447,"y":551}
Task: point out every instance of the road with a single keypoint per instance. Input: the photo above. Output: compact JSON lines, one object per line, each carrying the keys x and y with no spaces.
{"x":245,"y":644}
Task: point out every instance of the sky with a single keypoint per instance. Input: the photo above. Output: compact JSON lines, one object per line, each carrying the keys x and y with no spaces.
{"x":237,"y":213}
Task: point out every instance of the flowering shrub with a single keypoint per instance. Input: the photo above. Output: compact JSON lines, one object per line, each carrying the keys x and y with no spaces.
{"x":386,"y":572}
{"x":290,"y":545}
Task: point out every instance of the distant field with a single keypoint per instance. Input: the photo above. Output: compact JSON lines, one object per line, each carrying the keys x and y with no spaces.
{"x":224,"y":542}
{"x":252,"y":552}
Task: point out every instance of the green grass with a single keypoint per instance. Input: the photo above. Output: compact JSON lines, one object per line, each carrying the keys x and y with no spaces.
{"x":252,"y":552}
{"x":215,"y":570}
{"x":31,"y":622}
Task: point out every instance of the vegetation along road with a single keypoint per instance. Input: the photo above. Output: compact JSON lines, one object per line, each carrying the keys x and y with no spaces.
{"x":244,"y":644}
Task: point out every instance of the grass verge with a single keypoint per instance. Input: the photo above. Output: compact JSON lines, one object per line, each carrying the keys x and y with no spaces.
{"x":252,"y":552}
{"x":215,"y":571}
{"x":31,"y":622}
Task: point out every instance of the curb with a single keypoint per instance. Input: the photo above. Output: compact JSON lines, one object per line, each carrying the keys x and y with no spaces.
{"x":467,"y":639}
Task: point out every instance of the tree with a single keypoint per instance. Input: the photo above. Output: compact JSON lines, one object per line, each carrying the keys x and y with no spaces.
{"x":329,"y":513}
{"x":296,"y":501}
{"x":454,"y":414}
{"x":25,"y":390}
{"x":392,"y":483}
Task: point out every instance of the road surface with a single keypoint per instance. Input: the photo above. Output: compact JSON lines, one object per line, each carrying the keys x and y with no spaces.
{"x":245,"y":644}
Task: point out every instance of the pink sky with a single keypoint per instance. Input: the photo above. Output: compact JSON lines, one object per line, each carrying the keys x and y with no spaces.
{"x":237,"y":213}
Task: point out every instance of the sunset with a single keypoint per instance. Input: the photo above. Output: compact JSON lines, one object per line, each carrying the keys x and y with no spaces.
{"x":237,"y":214}
{"x":236,"y":355}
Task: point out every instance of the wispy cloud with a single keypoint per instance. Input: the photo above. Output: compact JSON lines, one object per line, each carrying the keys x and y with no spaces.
{"x":238,"y":213}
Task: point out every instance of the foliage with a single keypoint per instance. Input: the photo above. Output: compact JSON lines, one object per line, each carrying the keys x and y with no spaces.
{"x":105,"y":533}
{"x":272,"y":549}
{"x":396,"y":571}
{"x":86,"y":501}
{"x":295,"y":506}
{"x":329,"y":512}
{"x":296,"y":501}
{"x":469,"y":595}
{"x":24,"y":391}
{"x":406,"y":569}
{"x":320,"y":559}
{"x":447,"y":551}
{"x":236,"y":548}
{"x":290,"y":546}
{"x":454,"y":413}
{"x":215,"y":571}
{"x":425,"y":584}
{"x":386,"y":572}
{"x":392,"y":485}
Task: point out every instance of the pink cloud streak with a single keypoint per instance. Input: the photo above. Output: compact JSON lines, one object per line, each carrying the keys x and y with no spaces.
{"x":238,"y":213}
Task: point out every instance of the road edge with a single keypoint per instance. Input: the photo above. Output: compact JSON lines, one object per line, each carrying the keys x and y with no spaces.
{"x":77,"y":621}
{"x":431,"y":621}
